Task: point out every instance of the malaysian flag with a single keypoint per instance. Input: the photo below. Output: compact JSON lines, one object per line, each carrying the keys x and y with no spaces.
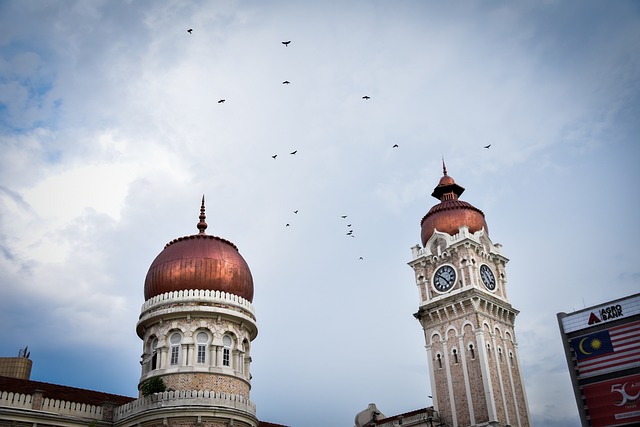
{"x":608,"y":350}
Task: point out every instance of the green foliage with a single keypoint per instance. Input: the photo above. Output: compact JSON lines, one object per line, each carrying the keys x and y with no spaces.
{"x":152,"y":385}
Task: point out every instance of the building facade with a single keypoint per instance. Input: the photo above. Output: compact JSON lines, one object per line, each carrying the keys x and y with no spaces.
{"x":602,"y":347}
{"x":466,"y":316}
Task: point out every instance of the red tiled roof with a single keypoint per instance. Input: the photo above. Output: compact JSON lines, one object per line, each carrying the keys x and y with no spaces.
{"x":61,"y":392}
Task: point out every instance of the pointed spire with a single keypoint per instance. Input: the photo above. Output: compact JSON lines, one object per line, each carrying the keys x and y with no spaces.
{"x":444,"y":167}
{"x":202,"y":225}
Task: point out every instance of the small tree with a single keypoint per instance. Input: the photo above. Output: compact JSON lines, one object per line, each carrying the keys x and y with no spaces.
{"x":152,"y":385}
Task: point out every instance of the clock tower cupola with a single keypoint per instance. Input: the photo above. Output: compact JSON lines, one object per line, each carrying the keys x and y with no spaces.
{"x":466,"y":317}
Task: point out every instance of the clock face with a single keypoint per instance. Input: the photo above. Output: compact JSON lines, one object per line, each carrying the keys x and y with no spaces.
{"x":444,"y":278}
{"x":487,"y":277}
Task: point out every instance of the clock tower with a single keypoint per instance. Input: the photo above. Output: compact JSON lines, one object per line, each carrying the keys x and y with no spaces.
{"x":466,"y":316}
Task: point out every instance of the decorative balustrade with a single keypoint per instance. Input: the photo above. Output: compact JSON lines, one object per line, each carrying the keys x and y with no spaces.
{"x":15,"y":400}
{"x":62,"y":407}
{"x":72,"y":408}
{"x":185,"y":398}
{"x":198,"y":295}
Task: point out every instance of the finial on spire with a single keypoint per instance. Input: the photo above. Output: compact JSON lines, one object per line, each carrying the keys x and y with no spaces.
{"x":444,"y":167}
{"x":202,"y":225}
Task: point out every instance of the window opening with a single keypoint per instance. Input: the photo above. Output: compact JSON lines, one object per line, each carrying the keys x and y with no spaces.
{"x":472,"y":351}
{"x":154,"y":354}
{"x":455,"y":356}
{"x":439,"y":361}
{"x":202,"y":338}
{"x":226,"y":351}
{"x":175,"y":340}
{"x":500,"y":354}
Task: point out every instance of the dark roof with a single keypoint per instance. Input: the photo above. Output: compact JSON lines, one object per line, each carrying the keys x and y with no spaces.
{"x":61,"y":392}
{"x":267,"y":424}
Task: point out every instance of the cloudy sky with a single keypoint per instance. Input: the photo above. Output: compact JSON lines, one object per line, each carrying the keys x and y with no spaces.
{"x":111,"y":132}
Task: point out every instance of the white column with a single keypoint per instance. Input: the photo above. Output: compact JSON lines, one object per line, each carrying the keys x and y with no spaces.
{"x":454,"y":417}
{"x":496,"y":356}
{"x":467,"y":386}
{"x":513,"y":389}
{"x":434,"y":390}
{"x":486,"y":377}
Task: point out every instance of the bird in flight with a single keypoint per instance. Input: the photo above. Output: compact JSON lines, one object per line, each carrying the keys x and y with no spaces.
{"x":286,"y":44}
{"x":366,"y":97}
{"x":350,"y":233}
{"x":274,"y":156}
{"x":221,"y":101}
{"x":362,"y":258}
{"x":296,"y":211}
{"x":293,"y":152}
{"x":344,"y":216}
{"x":395,"y":146}
{"x":348,"y":225}
{"x":487,"y":146}
{"x":190,"y":31}
{"x":287,"y":225}
{"x":286,"y":82}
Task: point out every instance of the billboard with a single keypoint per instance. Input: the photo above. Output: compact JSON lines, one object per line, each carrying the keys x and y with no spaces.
{"x":602,"y":348}
{"x":614,"y":402}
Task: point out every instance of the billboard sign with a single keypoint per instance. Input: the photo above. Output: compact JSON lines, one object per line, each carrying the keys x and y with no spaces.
{"x":614,"y":402}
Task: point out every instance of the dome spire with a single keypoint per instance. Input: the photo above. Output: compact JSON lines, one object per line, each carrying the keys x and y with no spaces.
{"x":444,"y":167}
{"x":202,"y":225}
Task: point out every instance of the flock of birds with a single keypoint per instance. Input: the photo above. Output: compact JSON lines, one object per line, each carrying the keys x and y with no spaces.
{"x":274,"y":156}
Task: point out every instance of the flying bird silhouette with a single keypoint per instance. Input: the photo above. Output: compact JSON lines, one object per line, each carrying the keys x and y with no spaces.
{"x":221,"y":101}
{"x":274,"y":156}
{"x":296,"y":211}
{"x":286,"y":44}
{"x":348,"y":225}
{"x":287,"y":225}
{"x":344,"y":216}
{"x":293,"y":152}
{"x":362,"y":258}
{"x":366,"y":97}
{"x":190,"y":30}
{"x":286,"y":82}
{"x":395,"y":146}
{"x":487,"y":146}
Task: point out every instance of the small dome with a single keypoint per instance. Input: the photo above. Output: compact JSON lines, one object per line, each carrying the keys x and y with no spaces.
{"x":200,"y":262}
{"x":450,"y":214}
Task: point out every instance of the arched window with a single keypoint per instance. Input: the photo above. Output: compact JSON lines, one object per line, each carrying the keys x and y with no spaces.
{"x":472,"y":351}
{"x":500,"y":354}
{"x":226,"y":350}
{"x":455,"y":356}
{"x":439,"y":358}
{"x":154,"y":354}
{"x":512,"y":360}
{"x":489,"y":351}
{"x":202,"y":340}
{"x":175,"y":341}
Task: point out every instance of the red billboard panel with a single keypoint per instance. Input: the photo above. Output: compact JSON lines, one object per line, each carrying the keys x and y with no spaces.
{"x":614,"y":402}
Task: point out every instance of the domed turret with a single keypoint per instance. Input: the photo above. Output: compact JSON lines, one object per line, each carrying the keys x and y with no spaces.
{"x":199,"y":262}
{"x":450,"y":214}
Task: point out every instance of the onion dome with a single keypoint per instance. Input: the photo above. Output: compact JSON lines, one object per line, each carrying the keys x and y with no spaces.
{"x":199,"y":262}
{"x":450,"y":214}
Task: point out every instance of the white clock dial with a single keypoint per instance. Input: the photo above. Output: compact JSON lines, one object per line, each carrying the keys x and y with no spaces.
{"x":487,"y":277}
{"x":444,"y":278}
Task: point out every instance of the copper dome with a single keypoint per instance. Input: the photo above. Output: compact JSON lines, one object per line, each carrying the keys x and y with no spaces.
{"x":201,"y":262}
{"x":450,"y":214}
